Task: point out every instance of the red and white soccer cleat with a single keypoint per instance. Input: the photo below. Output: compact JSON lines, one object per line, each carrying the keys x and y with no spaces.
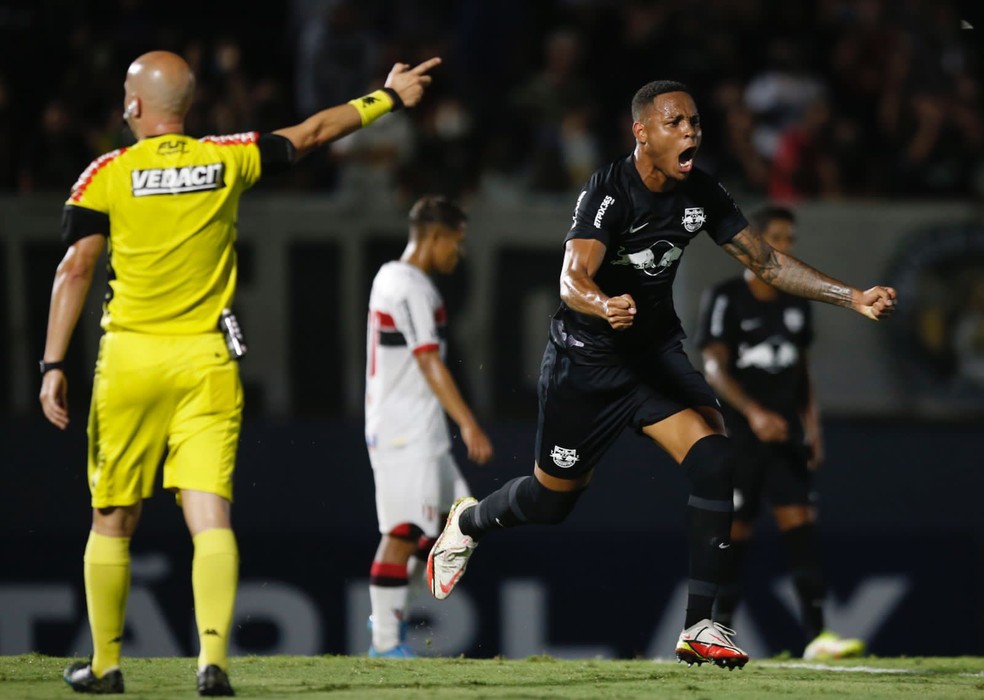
{"x":710,"y":641}
{"x":450,"y":553}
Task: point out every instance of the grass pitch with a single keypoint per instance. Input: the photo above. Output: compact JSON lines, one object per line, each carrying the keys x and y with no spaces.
{"x":36,"y":676}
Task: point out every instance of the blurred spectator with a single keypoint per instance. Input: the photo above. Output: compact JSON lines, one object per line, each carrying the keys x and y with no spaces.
{"x":729,"y":149}
{"x":53,"y":154}
{"x":370,"y":158}
{"x":554,"y":97}
{"x":444,"y":155}
{"x":780,"y":95}
{"x":804,"y":164}
{"x":8,"y":139}
{"x":901,"y":82}
{"x":337,"y":51}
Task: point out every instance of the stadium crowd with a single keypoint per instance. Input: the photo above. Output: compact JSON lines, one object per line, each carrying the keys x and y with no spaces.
{"x":819,"y":99}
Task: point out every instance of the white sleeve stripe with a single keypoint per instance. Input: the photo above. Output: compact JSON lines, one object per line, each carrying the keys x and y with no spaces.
{"x":717,"y":316}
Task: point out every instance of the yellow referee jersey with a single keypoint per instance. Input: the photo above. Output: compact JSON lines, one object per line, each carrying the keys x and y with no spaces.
{"x":170,"y":206}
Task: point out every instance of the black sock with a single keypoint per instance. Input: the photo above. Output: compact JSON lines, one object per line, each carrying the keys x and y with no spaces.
{"x":729,"y":591}
{"x":521,"y":501}
{"x":804,"y":564}
{"x":709,"y":467}
{"x":493,"y":512}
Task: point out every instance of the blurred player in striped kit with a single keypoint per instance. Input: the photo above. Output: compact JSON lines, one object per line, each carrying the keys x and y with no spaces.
{"x":408,"y":391}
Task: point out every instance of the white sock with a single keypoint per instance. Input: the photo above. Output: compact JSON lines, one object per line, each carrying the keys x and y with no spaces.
{"x":388,"y":610}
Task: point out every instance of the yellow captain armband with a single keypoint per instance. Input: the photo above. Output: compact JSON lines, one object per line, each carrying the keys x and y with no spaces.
{"x":374,"y":105}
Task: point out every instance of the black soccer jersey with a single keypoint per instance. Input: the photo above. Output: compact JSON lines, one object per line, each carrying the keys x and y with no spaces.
{"x":645,"y":234}
{"x":766,"y":341}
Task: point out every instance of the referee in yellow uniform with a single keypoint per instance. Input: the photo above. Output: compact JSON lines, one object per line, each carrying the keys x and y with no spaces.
{"x":166,"y":379}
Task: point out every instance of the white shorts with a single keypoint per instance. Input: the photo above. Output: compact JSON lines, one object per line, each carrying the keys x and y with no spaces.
{"x":415,"y":487}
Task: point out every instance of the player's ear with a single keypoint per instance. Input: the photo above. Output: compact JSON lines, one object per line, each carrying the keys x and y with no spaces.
{"x":132,"y":108}
{"x":639,"y":131}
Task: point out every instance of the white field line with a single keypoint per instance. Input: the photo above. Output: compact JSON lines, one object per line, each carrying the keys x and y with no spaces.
{"x":841,"y":669}
{"x":817,"y":667}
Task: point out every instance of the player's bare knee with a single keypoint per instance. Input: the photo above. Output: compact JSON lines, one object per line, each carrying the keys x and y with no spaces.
{"x":399,"y":544}
{"x":116,"y":521}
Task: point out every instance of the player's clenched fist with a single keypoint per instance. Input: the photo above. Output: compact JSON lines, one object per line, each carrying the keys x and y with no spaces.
{"x":877,"y":303}
{"x":408,"y":82}
{"x":620,"y":311}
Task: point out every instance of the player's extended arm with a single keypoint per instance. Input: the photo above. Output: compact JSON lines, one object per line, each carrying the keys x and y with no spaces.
{"x":796,"y":277}
{"x":335,"y":122}
{"x":444,"y":387}
{"x":767,"y":425}
{"x":810,"y":415}
{"x":582,"y":258}
{"x":71,"y":286}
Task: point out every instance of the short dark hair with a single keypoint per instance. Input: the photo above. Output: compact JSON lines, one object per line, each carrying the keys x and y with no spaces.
{"x":761,"y":217}
{"x":650,"y":91}
{"x":436,"y":209}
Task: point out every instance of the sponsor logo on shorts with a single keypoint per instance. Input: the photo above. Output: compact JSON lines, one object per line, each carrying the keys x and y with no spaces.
{"x":563,"y":457}
{"x":693,"y":218}
{"x":190,"y":178}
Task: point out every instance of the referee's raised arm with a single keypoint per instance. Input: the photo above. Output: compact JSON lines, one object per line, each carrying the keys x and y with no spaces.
{"x":404,"y":87}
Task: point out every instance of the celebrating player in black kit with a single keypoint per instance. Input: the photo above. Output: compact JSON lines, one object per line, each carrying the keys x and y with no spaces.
{"x":614,"y":357}
{"x":754,"y":342}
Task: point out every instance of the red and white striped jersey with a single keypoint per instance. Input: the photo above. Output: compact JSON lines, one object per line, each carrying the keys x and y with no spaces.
{"x":406,"y":316}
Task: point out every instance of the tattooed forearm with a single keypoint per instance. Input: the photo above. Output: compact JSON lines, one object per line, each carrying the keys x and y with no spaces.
{"x":796,"y":277}
{"x":786,"y":272}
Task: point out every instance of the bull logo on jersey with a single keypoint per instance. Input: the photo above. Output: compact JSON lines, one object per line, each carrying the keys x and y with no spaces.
{"x":773,"y":355}
{"x":693,"y":219}
{"x":564,"y":457}
{"x":647,"y":260}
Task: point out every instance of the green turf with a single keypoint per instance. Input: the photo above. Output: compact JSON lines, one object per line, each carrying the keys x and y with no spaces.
{"x":36,"y":676}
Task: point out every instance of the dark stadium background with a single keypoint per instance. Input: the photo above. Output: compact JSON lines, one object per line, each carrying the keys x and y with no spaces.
{"x":866,"y":115}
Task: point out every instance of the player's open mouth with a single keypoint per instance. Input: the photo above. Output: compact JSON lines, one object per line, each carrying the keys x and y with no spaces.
{"x":687,"y":159}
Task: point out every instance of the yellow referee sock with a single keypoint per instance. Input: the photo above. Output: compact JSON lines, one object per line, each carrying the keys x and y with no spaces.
{"x":107,"y":585}
{"x":214,"y":575}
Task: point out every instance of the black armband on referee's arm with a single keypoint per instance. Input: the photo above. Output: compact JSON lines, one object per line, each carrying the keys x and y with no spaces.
{"x":276,"y":153}
{"x":79,"y":222}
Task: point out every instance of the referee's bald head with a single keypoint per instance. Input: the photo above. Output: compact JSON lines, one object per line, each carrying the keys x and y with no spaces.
{"x":162,"y":82}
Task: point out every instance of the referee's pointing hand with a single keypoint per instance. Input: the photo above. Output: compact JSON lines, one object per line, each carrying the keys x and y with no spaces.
{"x":408,"y":82}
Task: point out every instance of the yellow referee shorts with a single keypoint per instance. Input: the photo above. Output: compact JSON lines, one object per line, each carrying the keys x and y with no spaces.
{"x":155,"y":394}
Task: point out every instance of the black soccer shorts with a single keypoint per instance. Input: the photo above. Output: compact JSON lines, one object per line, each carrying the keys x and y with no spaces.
{"x":772,"y":472}
{"x":584,"y":408}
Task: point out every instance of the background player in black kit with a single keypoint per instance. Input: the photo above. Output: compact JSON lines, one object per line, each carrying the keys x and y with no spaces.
{"x":615,"y":359}
{"x":754,"y":340}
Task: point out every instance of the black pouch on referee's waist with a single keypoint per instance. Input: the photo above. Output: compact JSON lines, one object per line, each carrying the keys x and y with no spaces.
{"x":229,"y":326}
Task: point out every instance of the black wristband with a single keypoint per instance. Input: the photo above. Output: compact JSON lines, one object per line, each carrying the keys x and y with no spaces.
{"x":397,"y":102}
{"x":48,"y":366}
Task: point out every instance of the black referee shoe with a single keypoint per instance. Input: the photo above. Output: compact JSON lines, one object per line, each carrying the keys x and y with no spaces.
{"x":82,"y":679}
{"x":214,"y":682}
